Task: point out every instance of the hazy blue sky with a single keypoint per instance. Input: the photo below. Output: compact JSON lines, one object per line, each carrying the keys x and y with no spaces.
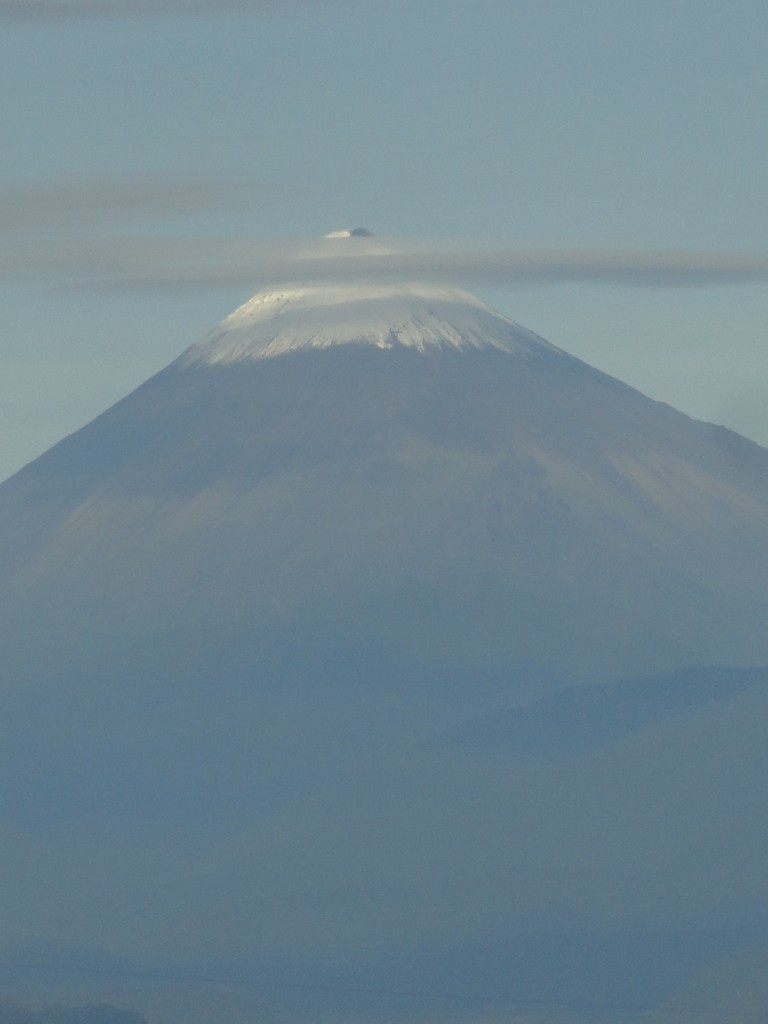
{"x":156,"y":135}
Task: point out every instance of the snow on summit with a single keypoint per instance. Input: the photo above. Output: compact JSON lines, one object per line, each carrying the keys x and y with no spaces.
{"x":306,"y":315}
{"x":420,"y":316}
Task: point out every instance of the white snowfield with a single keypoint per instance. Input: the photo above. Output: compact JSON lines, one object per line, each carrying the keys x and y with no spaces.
{"x":419,"y":316}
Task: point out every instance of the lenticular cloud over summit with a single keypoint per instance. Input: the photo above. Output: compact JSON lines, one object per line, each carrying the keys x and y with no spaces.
{"x":377,"y":646}
{"x":341,"y":257}
{"x":350,"y":233}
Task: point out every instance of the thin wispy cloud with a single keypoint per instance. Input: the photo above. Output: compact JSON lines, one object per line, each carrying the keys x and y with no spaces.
{"x":86,"y":205}
{"x":50,"y":10}
{"x":253,"y":264}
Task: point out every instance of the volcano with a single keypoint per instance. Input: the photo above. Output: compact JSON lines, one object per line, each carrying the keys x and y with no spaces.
{"x":389,"y":466}
{"x":335,"y":649}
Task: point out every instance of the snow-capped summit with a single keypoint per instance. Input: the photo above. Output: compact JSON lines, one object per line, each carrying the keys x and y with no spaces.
{"x":420,"y":316}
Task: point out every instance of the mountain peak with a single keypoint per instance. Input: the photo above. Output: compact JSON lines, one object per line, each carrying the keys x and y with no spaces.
{"x":419,"y":316}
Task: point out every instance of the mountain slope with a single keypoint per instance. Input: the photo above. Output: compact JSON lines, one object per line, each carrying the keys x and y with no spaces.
{"x":291,"y":642}
{"x":503,"y":499}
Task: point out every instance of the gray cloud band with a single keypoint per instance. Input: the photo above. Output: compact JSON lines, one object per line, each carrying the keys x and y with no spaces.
{"x":541,"y":266}
{"x":168,"y":265}
{"x":65,"y":233}
{"x":660,"y":269}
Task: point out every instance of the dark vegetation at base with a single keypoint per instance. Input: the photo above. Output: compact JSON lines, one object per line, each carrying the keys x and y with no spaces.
{"x":11,"y":1013}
